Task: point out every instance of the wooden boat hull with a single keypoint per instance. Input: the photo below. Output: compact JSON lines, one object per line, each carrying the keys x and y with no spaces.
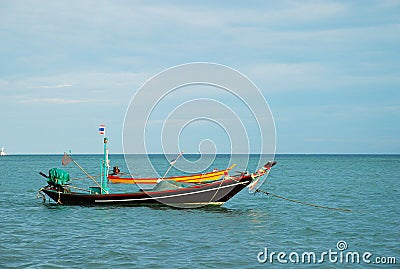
{"x":215,"y":193}
{"x":197,"y":178}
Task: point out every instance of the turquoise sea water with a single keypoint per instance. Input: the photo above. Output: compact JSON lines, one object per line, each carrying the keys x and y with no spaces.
{"x":36,"y":235}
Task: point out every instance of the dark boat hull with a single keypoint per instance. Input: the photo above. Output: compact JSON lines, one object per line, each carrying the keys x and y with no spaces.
{"x":215,"y":193}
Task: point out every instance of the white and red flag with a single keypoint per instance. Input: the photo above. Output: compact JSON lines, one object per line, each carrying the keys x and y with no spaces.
{"x":102,"y":129}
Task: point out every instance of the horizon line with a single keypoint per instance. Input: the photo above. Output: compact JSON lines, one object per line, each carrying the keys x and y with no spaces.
{"x":222,"y":153}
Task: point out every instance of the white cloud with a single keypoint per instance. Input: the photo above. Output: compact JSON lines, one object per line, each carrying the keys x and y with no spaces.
{"x":92,"y":87}
{"x":57,"y":101}
{"x":58,"y":86}
{"x":289,"y":76}
{"x":392,"y":108}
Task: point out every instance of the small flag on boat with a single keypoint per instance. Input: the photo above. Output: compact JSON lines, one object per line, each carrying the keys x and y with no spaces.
{"x":102,"y":129}
{"x":66,"y":159}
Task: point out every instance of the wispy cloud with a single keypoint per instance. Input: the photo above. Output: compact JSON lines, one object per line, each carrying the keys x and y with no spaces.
{"x":86,"y":87}
{"x":58,"y":101}
{"x":57,"y":86}
{"x":392,"y":108}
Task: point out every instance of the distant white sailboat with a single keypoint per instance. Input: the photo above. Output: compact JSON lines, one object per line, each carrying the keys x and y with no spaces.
{"x":2,"y":152}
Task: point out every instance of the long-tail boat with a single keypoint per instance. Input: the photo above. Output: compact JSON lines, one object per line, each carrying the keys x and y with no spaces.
{"x":193,"y":178}
{"x":167,"y":192}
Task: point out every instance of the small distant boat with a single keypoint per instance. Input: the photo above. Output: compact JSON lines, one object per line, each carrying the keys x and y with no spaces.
{"x":2,"y":152}
{"x":168,"y":192}
{"x":194,"y":178}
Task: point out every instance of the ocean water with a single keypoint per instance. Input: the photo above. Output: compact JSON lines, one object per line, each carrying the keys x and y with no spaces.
{"x":241,"y":234}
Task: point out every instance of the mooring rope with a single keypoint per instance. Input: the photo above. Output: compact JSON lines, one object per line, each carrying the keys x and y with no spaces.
{"x":215,"y":194}
{"x":304,"y":203}
{"x":81,"y":178}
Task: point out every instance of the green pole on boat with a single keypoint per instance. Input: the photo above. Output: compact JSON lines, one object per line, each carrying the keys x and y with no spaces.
{"x":105,"y":168}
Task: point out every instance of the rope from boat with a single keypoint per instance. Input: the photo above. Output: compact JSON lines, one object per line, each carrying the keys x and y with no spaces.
{"x":81,"y":178}
{"x":304,"y":203}
{"x":42,"y":195}
{"x":82,"y":189}
{"x":220,"y":184}
{"x":59,"y":198}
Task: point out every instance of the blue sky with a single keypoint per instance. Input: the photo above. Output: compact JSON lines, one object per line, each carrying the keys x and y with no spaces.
{"x":330,"y":70}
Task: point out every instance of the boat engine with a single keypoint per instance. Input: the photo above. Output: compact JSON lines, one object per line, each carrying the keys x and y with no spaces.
{"x":57,"y":177}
